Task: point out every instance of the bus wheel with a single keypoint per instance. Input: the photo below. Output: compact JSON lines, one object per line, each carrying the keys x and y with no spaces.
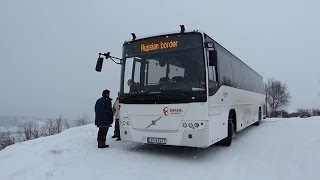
{"x":227,"y":141}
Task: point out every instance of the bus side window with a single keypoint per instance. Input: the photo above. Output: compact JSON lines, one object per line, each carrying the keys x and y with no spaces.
{"x":212,"y":57}
{"x":212,"y":72}
{"x":212,"y":83}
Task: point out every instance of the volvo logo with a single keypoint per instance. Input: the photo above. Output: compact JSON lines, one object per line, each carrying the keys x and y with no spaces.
{"x":153,"y":122}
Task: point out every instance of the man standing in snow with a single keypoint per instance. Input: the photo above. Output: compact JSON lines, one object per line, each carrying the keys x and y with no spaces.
{"x":104,"y":117}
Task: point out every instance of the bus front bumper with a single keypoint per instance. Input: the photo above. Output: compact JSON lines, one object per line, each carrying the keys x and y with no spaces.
{"x":191,"y":138}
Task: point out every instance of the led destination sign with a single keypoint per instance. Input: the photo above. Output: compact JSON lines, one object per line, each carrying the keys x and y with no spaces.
{"x":158,"y":46}
{"x":172,"y":42}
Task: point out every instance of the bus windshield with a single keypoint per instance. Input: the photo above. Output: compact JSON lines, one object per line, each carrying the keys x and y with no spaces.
{"x":164,"y":65}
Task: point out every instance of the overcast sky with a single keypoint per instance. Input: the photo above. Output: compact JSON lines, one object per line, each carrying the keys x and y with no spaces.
{"x":48,"y":49}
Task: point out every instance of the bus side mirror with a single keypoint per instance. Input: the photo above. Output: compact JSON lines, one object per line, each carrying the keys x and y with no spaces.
{"x":213,"y":56}
{"x":99,"y":64}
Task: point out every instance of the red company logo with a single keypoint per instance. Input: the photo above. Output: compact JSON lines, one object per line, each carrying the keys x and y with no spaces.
{"x":167,"y":111}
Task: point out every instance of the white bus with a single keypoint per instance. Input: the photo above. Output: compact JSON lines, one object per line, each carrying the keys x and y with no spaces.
{"x":185,"y":90}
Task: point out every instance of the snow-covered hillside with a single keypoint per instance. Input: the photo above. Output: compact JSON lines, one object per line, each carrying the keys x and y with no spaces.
{"x":286,"y":149}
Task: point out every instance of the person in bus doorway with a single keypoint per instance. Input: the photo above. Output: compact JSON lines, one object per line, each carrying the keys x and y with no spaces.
{"x":103,"y":117}
{"x":116,"y":109}
{"x":134,"y":87}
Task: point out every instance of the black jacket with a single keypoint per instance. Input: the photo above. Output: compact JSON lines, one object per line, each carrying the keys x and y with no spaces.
{"x":104,"y":114}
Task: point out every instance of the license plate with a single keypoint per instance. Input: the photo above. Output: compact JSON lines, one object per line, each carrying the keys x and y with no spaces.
{"x":154,"y":140}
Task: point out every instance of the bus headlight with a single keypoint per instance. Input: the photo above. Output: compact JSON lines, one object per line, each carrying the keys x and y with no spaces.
{"x":128,"y":123}
{"x":184,"y":125}
{"x":192,"y":125}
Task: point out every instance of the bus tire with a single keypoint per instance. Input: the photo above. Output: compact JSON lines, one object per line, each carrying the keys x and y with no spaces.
{"x":227,"y":141}
{"x":256,"y":123}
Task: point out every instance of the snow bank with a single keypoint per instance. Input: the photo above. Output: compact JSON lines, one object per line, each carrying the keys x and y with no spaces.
{"x":285,"y":149}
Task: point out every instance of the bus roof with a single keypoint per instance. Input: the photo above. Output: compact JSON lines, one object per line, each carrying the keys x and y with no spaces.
{"x":163,"y":34}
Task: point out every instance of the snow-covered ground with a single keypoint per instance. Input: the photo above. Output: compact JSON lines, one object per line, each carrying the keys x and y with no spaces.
{"x":286,"y":149}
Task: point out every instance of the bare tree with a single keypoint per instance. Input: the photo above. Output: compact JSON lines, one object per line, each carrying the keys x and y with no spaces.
{"x":53,"y":126}
{"x":36,"y":132}
{"x":301,"y":110}
{"x":66,"y":124}
{"x":278,"y":96}
{"x":316,"y":112}
{"x":48,"y":128}
{"x":58,"y":124}
{"x":312,"y":111}
{"x":28,"y":132}
{"x":6,"y":139}
{"x":32,"y":131}
{"x":82,"y":120}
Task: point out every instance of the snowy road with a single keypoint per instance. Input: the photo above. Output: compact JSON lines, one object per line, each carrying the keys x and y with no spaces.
{"x":286,"y":149}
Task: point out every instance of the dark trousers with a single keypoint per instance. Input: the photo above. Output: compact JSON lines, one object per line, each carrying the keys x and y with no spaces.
{"x":116,"y":131}
{"x":102,"y":133}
